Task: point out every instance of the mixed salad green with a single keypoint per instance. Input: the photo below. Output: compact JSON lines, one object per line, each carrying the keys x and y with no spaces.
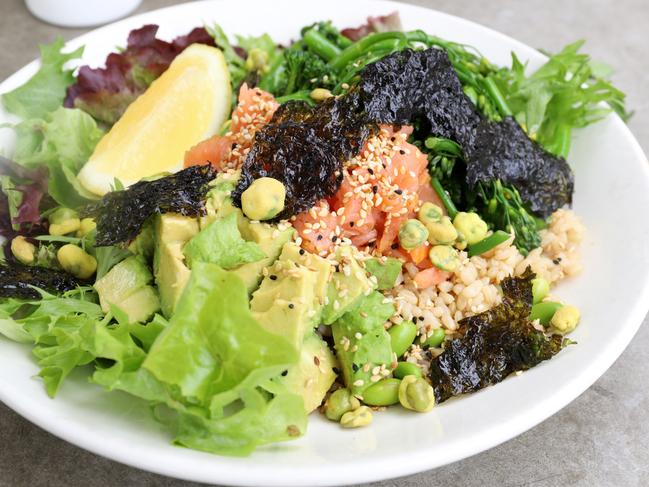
{"x":224,"y":324}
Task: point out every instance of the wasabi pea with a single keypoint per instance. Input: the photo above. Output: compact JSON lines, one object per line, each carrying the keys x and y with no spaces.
{"x":471,"y":227}
{"x":264,"y":199}
{"x":565,"y":319}
{"x":257,"y":60}
{"x":442,"y":232}
{"x":63,"y":221}
{"x":76,"y":261}
{"x":429,"y":213}
{"x":416,"y":394}
{"x":22,"y":250}
{"x":412,"y":234}
{"x":444,"y":257}
{"x":338,"y":403}
{"x":357,"y":418}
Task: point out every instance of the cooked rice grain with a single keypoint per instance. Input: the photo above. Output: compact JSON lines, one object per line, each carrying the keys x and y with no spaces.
{"x":473,"y":288}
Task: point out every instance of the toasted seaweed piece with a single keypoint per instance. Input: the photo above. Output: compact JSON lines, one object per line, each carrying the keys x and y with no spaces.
{"x":504,"y":151}
{"x":16,"y":281}
{"x":409,"y":85}
{"x":304,"y":147}
{"x":120,"y":215}
{"x":493,"y":344}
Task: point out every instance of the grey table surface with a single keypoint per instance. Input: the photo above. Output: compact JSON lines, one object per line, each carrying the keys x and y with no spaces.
{"x":601,"y":439}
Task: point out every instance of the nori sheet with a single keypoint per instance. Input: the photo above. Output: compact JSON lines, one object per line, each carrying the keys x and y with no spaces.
{"x":120,"y":215}
{"x":304,"y":147}
{"x":493,"y":344}
{"x":16,"y":281}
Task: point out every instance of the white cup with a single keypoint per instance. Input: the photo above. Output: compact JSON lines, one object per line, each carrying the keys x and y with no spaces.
{"x":80,"y":13}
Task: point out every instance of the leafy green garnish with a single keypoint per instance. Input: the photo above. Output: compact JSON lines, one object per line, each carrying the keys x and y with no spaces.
{"x":45,"y":91}
{"x":221,"y":243}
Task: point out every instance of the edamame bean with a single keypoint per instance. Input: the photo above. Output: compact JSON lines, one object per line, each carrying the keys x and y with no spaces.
{"x":436,"y":339}
{"x":23,"y":251}
{"x":544,"y":311}
{"x":566,"y":319}
{"x":357,"y":418}
{"x":63,"y":221}
{"x":401,"y":336}
{"x":416,"y":394}
{"x":406,"y":368}
{"x":264,"y":199}
{"x":540,"y":289}
{"x":77,"y":262}
{"x":470,"y":226}
{"x":382,"y":393}
{"x":412,"y":234}
{"x":338,"y":403}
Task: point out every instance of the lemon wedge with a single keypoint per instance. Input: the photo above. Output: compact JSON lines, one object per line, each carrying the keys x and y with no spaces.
{"x":185,"y":105}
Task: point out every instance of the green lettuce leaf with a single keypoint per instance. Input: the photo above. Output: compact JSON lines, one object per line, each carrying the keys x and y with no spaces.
{"x":221,"y":243}
{"x":386,"y":273}
{"x":45,"y":91}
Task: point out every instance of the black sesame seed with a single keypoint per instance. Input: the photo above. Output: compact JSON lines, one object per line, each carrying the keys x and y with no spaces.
{"x":557,"y":261}
{"x":334,"y":238}
{"x":402,"y":152}
{"x":370,"y":170}
{"x":394,"y":246}
{"x":351,"y":224}
{"x":319,"y":237}
{"x":375,"y":189}
{"x":393,"y":139}
{"x":414,"y":319}
{"x":273,"y":277}
{"x":421,"y":318}
{"x":354,"y":367}
{"x":302,"y":252}
{"x":291,"y":305}
{"x":398,"y":191}
{"x":285,"y":373}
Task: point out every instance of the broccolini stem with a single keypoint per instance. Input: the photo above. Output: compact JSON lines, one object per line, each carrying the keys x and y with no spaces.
{"x":303,"y":95}
{"x":497,"y":97}
{"x":322,"y":46}
{"x":443,"y":195}
{"x":360,"y":47}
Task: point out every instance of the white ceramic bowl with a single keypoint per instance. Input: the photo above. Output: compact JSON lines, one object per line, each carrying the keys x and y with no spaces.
{"x":612,"y":189}
{"x":80,"y":13}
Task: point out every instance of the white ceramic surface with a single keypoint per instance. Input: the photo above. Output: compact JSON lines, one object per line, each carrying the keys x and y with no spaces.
{"x":612,"y":189}
{"x":80,"y":13}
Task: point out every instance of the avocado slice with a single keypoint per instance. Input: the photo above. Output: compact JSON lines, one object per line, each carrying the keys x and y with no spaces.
{"x":324,"y":269}
{"x":385,"y":269}
{"x":283,"y":304}
{"x":362,"y":343}
{"x":172,"y":231}
{"x":144,"y":244}
{"x":127,"y":286}
{"x":313,"y":375}
{"x":270,"y":240}
{"x":349,"y":285}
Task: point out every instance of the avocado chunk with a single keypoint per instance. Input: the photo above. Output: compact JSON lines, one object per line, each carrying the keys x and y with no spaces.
{"x":362,"y":344}
{"x":324,"y":269}
{"x":172,"y":231}
{"x":349,"y":285}
{"x":284,"y":303}
{"x":144,"y":244}
{"x":313,"y":375}
{"x":127,"y":286}
{"x":270,"y":240}
{"x":385,"y":269}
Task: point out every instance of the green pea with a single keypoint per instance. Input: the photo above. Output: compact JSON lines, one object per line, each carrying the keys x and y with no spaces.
{"x":540,"y":289}
{"x":402,"y":336}
{"x":544,"y":311}
{"x":436,"y":339}
{"x":382,"y":393}
{"x":407,"y":368}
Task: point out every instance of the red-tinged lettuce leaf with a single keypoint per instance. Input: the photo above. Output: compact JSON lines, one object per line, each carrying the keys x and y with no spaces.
{"x":105,"y":92}
{"x":382,"y":23}
{"x":20,"y":199}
